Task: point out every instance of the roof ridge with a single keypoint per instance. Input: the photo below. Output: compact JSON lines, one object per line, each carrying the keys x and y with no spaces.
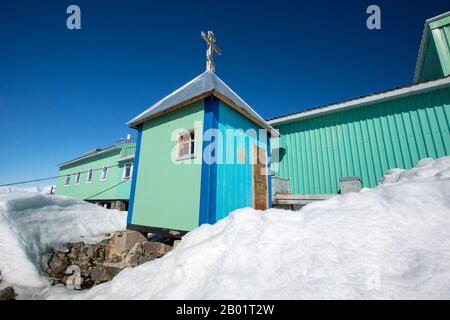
{"x":168,"y":96}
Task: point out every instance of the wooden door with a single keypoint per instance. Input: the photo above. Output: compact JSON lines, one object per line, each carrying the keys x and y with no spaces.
{"x":259,"y":178}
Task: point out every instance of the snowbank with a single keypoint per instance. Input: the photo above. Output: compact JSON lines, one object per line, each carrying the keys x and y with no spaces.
{"x":32,"y":223}
{"x":390,"y":242}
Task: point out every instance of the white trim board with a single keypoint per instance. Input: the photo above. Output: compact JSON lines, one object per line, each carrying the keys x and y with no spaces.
{"x":125,"y":159}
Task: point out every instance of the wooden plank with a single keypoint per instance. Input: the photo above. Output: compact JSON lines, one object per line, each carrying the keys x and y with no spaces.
{"x":303,"y":196}
{"x":299,"y":199}
{"x":294,"y":202}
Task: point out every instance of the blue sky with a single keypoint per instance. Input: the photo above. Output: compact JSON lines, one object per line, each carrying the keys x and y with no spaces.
{"x":65,"y":92}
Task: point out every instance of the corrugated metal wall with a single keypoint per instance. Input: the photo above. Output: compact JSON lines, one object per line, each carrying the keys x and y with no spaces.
{"x":441,"y":35}
{"x":364,"y":142}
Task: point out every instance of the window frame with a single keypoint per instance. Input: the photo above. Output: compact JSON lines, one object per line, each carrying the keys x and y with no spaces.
{"x":106,"y":173}
{"x":67,"y":180}
{"x":78,"y":177}
{"x":124,"y":170}
{"x":192,"y":155}
{"x":90,"y":173}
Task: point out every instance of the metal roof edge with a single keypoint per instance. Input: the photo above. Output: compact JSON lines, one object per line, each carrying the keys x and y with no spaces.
{"x":392,"y":94}
{"x":106,"y":150}
{"x":133,"y":123}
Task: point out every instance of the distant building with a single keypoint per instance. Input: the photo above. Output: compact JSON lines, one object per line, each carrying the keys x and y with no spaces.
{"x":101,"y":176}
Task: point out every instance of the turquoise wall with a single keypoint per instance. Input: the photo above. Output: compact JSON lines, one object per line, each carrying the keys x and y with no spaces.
{"x":436,"y":60}
{"x":167,"y":193}
{"x":364,"y":142}
{"x":234,"y":180}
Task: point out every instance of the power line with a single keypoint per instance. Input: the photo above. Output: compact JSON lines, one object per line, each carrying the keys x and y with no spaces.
{"x":55,"y":177}
{"x":106,"y":189}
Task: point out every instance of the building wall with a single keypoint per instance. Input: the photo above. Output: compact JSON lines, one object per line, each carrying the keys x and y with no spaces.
{"x":234,"y":179}
{"x":167,"y":194}
{"x":97,"y":189}
{"x":431,"y":64}
{"x":436,"y":61}
{"x":364,"y":142}
{"x":441,"y":35}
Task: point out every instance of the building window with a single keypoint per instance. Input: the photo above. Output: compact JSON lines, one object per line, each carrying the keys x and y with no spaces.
{"x":186,"y":145}
{"x":104,"y":174}
{"x":67,"y":180}
{"x":77,"y":179}
{"x":89,"y":176}
{"x":127,"y":169}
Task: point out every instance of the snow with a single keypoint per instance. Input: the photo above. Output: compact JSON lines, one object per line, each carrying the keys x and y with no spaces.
{"x":31,"y":223}
{"x":389,"y":242}
{"x":45,"y":190}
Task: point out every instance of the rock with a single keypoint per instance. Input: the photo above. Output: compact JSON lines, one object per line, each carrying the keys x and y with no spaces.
{"x":100,"y":250}
{"x":176,"y":242}
{"x":8,"y":294}
{"x":102,"y":274}
{"x":132,"y":260}
{"x":88,"y":253}
{"x":132,"y":257}
{"x":57,"y":265}
{"x":155,"y":248}
{"x":125,"y":240}
{"x":116,"y":259}
{"x":91,"y":264}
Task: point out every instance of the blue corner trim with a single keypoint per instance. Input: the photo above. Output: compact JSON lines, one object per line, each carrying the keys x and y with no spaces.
{"x":208,"y":188}
{"x":135,"y":172}
{"x":269,"y":177}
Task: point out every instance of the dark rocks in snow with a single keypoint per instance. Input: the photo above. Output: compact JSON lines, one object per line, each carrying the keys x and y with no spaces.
{"x":102,"y":274}
{"x":81,"y":265}
{"x":6,"y":293}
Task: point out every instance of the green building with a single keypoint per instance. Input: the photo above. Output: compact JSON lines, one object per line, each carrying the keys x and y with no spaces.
{"x":101,"y":176}
{"x":434,"y":54}
{"x":367,"y":136}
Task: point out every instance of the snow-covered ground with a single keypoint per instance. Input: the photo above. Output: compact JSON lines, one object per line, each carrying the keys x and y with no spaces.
{"x":45,"y":190}
{"x":31,"y":223}
{"x":389,"y":242}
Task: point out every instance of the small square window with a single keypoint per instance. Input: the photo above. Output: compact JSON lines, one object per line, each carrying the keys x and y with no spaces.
{"x":67,"y":180}
{"x":186,"y":145}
